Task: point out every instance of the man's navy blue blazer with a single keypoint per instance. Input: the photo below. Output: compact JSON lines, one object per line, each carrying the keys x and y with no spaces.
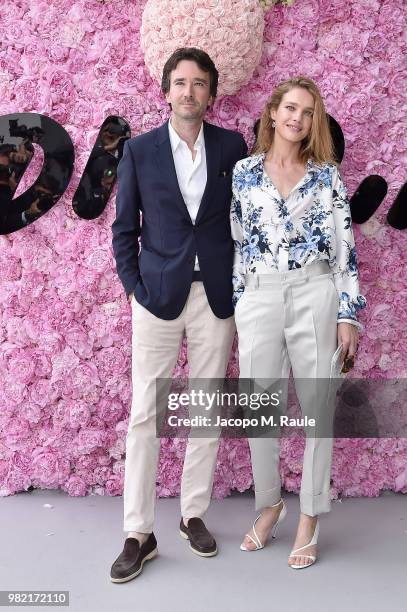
{"x":160,"y":274}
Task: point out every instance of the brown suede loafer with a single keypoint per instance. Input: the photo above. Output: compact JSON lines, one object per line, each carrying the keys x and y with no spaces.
{"x":129,"y":563}
{"x":201,"y":542}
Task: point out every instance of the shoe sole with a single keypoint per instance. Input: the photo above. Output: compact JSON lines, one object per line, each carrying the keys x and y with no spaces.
{"x":151,"y":555}
{"x":201,"y":554}
{"x":251,"y":549}
{"x":302,"y":566}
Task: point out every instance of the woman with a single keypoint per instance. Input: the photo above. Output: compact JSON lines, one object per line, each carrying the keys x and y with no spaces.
{"x":296,"y":290}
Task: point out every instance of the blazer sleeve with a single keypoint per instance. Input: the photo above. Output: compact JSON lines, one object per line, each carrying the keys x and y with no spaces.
{"x":126,"y":228}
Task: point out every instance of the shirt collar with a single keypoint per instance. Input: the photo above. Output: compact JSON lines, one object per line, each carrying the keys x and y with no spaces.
{"x":175,"y":139}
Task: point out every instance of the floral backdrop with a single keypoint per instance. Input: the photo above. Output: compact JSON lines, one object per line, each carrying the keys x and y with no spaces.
{"x":65,"y":346}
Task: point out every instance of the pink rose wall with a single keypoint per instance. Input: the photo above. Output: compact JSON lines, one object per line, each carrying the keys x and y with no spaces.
{"x":65,"y":325}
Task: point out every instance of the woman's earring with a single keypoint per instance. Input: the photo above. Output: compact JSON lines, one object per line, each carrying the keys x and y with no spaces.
{"x":273,"y":124}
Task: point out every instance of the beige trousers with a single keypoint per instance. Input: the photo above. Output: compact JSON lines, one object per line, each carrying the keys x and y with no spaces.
{"x":291,"y":319}
{"x":155,"y":348}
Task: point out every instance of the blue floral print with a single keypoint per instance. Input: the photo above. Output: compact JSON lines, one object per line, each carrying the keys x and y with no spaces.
{"x":312,"y":224}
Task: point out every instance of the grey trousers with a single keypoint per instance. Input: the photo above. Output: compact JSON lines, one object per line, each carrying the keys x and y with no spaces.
{"x":290,"y":319}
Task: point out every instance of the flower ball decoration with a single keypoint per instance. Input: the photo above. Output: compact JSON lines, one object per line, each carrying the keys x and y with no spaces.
{"x":231,"y":31}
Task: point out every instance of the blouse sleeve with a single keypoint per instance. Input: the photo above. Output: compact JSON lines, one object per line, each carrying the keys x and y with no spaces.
{"x":345,"y":267}
{"x":236,"y":224}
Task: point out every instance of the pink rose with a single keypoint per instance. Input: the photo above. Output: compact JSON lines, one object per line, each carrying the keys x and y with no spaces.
{"x":390,"y":262}
{"x":114,"y":486}
{"x":110,"y":411}
{"x":60,"y":85}
{"x":77,"y":338}
{"x":131,"y":78}
{"x":81,"y":113}
{"x":75,"y":486}
{"x":334,"y":10}
{"x":377,"y":45}
{"x":360,"y":153}
{"x":304,"y":12}
{"x":226,"y":111}
{"x":49,"y":470}
{"x":364,"y":17}
{"x":397,"y":85}
{"x":22,"y":367}
{"x":201,"y":14}
{"x":396,"y":56}
{"x":17,"y":481}
{"x":56,"y":53}
{"x":79,"y":415}
{"x":400,"y":304}
{"x":101,"y":474}
{"x":60,"y":113}
{"x":80,"y":378}
{"x":86,"y":463}
{"x":89,"y":440}
{"x":359,"y":107}
{"x":111,"y":363}
{"x":391,"y":17}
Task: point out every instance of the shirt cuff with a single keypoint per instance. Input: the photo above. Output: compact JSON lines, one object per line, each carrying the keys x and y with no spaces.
{"x":352,"y":322}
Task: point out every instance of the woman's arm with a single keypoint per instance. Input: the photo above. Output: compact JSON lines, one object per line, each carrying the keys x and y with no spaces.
{"x":345,"y":268}
{"x":236,"y":225}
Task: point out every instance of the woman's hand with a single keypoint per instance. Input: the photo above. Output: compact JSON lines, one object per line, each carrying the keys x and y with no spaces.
{"x":348,"y":336}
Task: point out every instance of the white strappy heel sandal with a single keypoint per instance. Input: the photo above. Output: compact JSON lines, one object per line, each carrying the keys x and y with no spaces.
{"x":256,"y":540}
{"x":312,"y":543}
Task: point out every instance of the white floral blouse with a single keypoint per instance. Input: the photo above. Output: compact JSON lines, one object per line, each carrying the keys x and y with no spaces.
{"x":312,"y":224}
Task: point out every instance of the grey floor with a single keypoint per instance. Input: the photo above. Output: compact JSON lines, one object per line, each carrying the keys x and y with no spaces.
{"x":362,"y":563}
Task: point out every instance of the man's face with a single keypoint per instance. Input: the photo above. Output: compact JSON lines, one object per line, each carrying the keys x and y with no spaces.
{"x":39,"y":189}
{"x":189,"y":93}
{"x":17,"y":157}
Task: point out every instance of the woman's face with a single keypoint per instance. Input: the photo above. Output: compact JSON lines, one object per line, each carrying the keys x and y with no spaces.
{"x":293,"y":117}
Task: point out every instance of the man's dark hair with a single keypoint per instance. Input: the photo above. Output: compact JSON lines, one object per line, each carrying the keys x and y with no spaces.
{"x":193,"y":54}
{"x":5,"y":149}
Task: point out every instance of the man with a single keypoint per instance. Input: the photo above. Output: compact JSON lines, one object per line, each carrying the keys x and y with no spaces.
{"x":30,"y":205}
{"x":179,"y":177}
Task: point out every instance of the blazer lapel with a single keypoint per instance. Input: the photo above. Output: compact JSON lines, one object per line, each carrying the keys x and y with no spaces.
{"x":213,"y":148}
{"x":166,"y":166}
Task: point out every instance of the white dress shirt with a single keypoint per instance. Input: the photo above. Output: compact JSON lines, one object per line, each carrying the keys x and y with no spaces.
{"x":191,"y":173}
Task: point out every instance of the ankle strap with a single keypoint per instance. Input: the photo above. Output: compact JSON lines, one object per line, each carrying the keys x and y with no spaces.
{"x":312,"y":543}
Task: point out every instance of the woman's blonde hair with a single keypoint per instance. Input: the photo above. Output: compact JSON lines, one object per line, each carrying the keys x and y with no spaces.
{"x":318,"y":145}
